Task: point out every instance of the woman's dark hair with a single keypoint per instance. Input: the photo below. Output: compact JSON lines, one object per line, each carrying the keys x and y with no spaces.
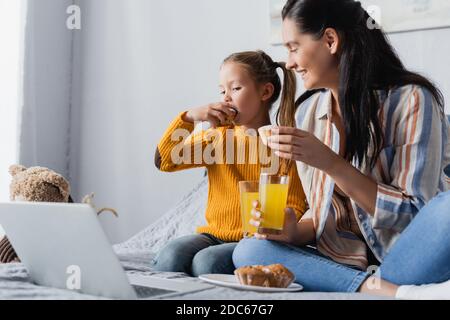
{"x":367,"y":62}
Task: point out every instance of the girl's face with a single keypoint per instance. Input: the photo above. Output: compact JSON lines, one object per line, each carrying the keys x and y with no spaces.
{"x":314,"y":60}
{"x":238,"y":88}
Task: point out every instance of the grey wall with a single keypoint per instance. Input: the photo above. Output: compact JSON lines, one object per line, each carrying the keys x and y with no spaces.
{"x":139,"y":63}
{"x":425,"y":52}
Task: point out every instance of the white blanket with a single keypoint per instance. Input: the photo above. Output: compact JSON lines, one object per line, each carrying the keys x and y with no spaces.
{"x":136,"y":253}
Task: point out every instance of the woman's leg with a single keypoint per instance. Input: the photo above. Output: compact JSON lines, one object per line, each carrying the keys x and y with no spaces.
{"x":422,"y":254}
{"x":312,"y":270}
{"x":178,"y":254}
{"x":214,"y":259}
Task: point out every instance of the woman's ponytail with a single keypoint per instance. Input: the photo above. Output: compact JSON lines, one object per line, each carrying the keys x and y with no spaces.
{"x":286,"y":111}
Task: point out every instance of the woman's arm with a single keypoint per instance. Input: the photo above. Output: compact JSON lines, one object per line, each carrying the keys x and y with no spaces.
{"x":298,"y":145}
{"x":414,"y":175}
{"x":356,"y":185}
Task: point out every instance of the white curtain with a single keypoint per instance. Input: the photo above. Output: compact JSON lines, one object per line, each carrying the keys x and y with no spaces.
{"x":11,"y":35}
{"x":35,"y":81}
{"x":47,"y":78}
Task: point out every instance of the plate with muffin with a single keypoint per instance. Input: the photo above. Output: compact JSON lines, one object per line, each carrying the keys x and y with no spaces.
{"x":272,"y":278}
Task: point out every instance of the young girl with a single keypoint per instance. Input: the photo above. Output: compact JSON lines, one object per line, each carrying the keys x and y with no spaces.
{"x":249,"y":85}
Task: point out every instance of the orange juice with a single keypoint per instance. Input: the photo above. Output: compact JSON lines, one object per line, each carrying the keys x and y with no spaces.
{"x":247,"y":199}
{"x":273,"y":199}
{"x":249,"y":191}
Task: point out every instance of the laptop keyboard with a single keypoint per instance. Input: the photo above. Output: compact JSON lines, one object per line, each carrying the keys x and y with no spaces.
{"x":147,"y":292}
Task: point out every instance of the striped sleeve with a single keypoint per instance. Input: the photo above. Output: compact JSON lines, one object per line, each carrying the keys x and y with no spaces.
{"x":414,"y":174}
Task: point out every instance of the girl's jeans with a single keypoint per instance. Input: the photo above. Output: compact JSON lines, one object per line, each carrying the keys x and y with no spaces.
{"x":196,"y":255}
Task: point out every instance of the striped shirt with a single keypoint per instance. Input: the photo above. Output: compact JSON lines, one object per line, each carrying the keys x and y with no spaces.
{"x":409,"y":173}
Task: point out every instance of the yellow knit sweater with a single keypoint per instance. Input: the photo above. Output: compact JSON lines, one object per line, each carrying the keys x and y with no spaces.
{"x":223,"y":213}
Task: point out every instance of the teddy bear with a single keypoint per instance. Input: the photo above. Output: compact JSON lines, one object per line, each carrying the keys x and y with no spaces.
{"x":37,"y":184}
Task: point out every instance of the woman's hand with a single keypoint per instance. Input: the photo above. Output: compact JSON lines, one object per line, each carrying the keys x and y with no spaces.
{"x":298,"y":145}
{"x":290,"y":231}
{"x":217,"y":114}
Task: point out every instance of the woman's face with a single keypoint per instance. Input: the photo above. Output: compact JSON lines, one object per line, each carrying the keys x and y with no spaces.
{"x":238,"y":88}
{"x":314,"y":60}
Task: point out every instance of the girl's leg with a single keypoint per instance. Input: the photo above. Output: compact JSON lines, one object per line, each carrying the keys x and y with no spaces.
{"x":178,"y":254}
{"x":214,"y":259}
{"x":312,"y":270}
{"x":422,"y":254}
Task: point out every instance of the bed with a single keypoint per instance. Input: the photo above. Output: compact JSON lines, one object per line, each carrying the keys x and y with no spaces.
{"x":136,"y":253}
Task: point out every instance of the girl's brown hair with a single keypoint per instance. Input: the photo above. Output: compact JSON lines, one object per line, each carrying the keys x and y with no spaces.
{"x":264,"y":70}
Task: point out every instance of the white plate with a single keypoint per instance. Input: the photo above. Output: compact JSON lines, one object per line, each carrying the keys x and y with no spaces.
{"x":227,"y":280}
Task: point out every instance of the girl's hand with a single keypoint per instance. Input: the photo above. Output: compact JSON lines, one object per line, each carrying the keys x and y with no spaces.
{"x":217,"y":114}
{"x":290,"y":230}
{"x":299,"y":145}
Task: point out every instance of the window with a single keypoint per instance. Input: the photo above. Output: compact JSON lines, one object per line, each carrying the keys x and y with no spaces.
{"x":11,"y":35}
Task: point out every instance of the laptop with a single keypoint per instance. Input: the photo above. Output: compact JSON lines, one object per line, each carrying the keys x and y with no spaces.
{"x":64,"y":246}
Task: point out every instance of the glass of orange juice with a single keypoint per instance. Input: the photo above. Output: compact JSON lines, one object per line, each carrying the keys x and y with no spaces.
{"x":249,"y":191}
{"x":273,"y":193}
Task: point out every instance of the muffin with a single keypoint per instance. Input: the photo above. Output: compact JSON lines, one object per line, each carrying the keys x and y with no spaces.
{"x":274,"y":276}
{"x":229,"y":120}
{"x":281,"y":276}
{"x":252,"y":276}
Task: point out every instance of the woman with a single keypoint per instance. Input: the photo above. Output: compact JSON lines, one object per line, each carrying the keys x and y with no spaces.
{"x":371,"y":145}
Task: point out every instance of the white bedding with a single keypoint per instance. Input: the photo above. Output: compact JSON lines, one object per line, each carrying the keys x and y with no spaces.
{"x":136,"y":253}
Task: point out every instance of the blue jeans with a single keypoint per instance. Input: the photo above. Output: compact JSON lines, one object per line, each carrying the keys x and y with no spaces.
{"x":196,"y":255}
{"x":420,"y":256}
